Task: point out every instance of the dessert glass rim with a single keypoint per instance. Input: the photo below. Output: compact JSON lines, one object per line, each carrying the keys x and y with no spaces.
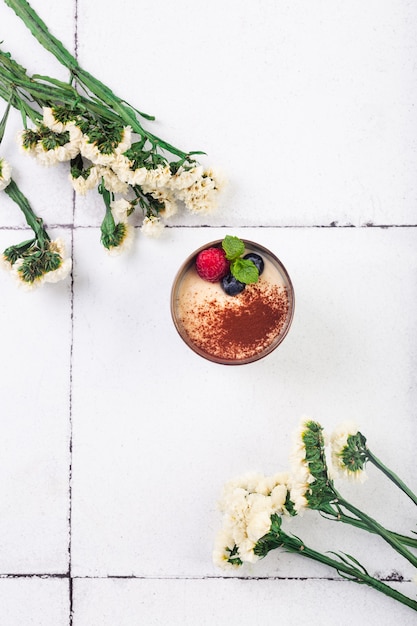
{"x":185,"y":266}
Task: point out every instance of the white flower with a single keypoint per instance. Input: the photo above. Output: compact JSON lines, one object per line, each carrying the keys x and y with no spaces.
{"x":223,"y":546}
{"x":121,"y":166}
{"x":258,"y":524}
{"x":264,"y":486}
{"x":170,"y":206}
{"x":27,"y":286}
{"x":5,"y":173}
{"x":217,"y":176}
{"x":58,"y":246}
{"x":60,"y":274}
{"x":152,"y":227}
{"x":112,"y":182}
{"x":156,"y":178}
{"x":247,"y":504}
{"x":5,"y":263}
{"x":298,"y":490}
{"x":185,"y":178}
{"x":126,"y":140}
{"x":298,"y":463}
{"x":29,"y":150}
{"x":120,"y":209}
{"x":149,"y":179}
{"x":278,"y":498}
{"x":47,"y":157}
{"x":59,"y":154}
{"x":200,"y":197}
{"x":301,"y":478}
{"x":251,"y":482}
{"x":126,"y":242}
{"x":276,"y":487}
{"x":339,"y":442}
{"x":138,"y":176}
{"x":81,"y":185}
{"x":75,"y":134}
{"x":246,"y":553}
{"x":235,"y":510}
{"x":168,"y":199}
{"x":49,"y":120}
{"x":90,"y":151}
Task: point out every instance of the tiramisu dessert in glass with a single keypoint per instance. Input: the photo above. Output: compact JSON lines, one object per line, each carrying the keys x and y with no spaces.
{"x":232,"y":301}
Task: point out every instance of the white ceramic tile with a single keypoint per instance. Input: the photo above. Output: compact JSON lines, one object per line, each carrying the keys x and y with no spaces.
{"x":309,"y":112}
{"x":34,"y":441}
{"x":151,"y":453}
{"x":18,"y":40}
{"x":307,"y":108}
{"x":47,"y":188}
{"x":34,"y":601}
{"x":222,"y":602}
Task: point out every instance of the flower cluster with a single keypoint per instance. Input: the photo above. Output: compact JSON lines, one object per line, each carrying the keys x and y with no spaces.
{"x":254,"y":507}
{"x":101,"y":137}
{"x":109,"y":154}
{"x":247,"y":505}
{"x":38,"y":260}
{"x":311,"y":484}
{"x":349,"y":452}
{"x":33,"y":265}
{"x":5,"y":174}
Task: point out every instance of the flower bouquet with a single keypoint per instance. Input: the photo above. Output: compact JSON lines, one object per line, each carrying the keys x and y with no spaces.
{"x":257,"y":509}
{"x":102,"y":138}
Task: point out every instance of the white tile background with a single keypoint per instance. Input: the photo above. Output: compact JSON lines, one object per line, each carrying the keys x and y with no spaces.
{"x":115,"y":438}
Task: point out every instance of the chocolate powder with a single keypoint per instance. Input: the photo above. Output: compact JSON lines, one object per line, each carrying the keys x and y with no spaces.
{"x":241,"y":329}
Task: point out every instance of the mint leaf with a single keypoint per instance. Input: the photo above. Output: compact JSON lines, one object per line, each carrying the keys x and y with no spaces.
{"x":233,"y":247}
{"x":244,"y":270}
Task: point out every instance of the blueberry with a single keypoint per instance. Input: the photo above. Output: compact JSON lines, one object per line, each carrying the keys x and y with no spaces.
{"x":231,"y":285}
{"x":258,"y":260}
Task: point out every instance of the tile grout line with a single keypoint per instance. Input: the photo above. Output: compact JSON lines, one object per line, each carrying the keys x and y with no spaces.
{"x":70,"y":434}
{"x":332,"y":226}
{"x":394,"y":577}
{"x":370,"y":227}
{"x":70,"y":425}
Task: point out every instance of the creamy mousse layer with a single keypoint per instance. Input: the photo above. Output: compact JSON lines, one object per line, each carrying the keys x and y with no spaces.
{"x":233,"y":327}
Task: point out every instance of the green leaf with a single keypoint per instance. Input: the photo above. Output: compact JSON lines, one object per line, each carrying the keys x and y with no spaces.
{"x":245,"y":271}
{"x":233,"y":247}
{"x":56,"y":82}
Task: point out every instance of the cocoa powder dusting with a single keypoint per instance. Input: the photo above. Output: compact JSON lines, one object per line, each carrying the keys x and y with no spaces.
{"x":243,"y":327}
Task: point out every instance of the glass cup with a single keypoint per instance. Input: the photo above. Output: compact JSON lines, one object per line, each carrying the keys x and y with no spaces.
{"x":233,"y":330}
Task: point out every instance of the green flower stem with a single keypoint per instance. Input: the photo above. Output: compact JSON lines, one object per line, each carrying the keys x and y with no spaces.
{"x":19,"y":104}
{"x":404,"y":539}
{"x":44,"y":94}
{"x":40,"y":31}
{"x":295,"y":545}
{"x":35,"y":223}
{"x":4,"y":121}
{"x":108,"y":224}
{"x":391,"y":475}
{"x":375,"y":527}
{"x":338,"y":516}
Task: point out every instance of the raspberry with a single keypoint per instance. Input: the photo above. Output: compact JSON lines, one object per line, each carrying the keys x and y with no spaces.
{"x":211,"y":264}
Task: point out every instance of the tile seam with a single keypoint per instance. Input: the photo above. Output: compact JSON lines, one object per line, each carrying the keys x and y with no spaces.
{"x":70,"y":436}
{"x":392,"y":579}
{"x":70,"y":425}
{"x":247,"y":226}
